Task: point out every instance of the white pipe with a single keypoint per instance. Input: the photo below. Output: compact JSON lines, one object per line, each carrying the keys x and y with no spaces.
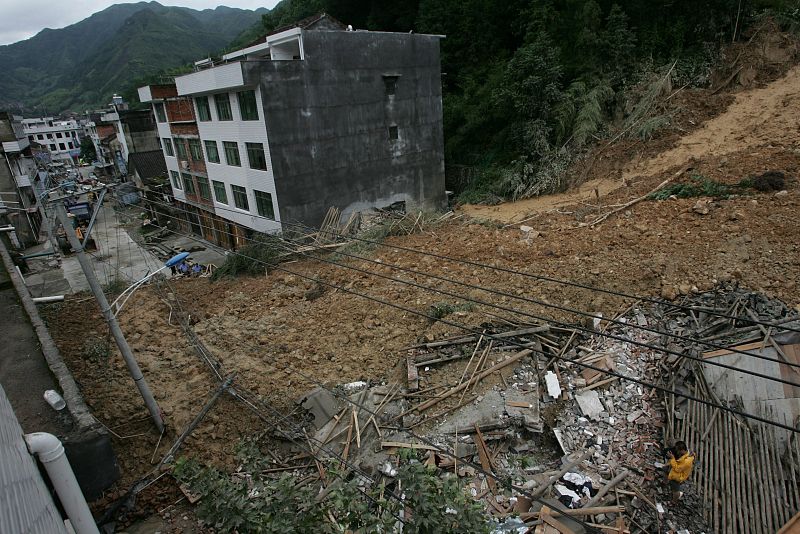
{"x":54,"y":298}
{"x":51,"y":453}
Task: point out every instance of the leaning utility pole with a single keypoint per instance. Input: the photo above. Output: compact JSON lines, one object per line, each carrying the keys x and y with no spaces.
{"x":116,"y":331}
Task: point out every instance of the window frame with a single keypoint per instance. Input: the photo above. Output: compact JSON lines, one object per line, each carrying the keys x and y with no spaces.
{"x":259,"y":147}
{"x":265,"y":198}
{"x":168,"y":148}
{"x":249,"y":116}
{"x":237,"y":190}
{"x":160,"y":111}
{"x":203,"y":188}
{"x":181,"y":151}
{"x":203,"y":112}
{"x":229,"y":113}
{"x":188,"y":184}
{"x":175,"y":177}
{"x":225,"y":147}
{"x":195,"y":149}
{"x":206,"y":144}
{"x":216,"y":190}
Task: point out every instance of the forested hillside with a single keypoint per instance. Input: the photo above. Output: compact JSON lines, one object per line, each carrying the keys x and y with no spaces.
{"x":529,"y":84}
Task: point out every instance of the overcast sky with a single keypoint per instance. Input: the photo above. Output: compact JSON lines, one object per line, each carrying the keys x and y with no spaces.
{"x":21,"y":19}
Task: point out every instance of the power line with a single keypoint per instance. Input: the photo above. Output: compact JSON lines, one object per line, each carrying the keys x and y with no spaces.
{"x":538,"y":317}
{"x":662,"y":302}
{"x":511,"y":342}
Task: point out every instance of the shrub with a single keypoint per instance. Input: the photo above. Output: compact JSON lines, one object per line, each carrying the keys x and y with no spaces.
{"x":249,"y":501}
{"x":263,"y":252}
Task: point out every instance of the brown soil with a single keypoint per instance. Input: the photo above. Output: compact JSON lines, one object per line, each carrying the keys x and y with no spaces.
{"x":280,"y":340}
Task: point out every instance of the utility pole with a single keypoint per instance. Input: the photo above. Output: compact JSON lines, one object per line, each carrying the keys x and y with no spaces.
{"x":108,"y":315}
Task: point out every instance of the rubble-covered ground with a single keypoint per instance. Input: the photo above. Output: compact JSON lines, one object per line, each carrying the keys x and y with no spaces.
{"x":281,"y":333}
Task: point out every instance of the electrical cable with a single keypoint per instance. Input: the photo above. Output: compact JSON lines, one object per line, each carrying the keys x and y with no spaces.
{"x":510,"y":342}
{"x":541,"y":318}
{"x":515,"y":272}
{"x":478,"y":468}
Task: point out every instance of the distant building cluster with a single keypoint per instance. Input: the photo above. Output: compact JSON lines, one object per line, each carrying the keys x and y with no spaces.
{"x":307,"y":118}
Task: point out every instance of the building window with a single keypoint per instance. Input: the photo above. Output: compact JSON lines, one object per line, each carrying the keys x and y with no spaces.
{"x":168,"y":147}
{"x":240,"y":197}
{"x":69,"y":145}
{"x":50,"y":136}
{"x":205,"y":190}
{"x":188,"y":184}
{"x":223,"y":103}
{"x":264,"y":204}
{"x":176,"y":179}
{"x":161,"y":115}
{"x":390,"y":84}
{"x":212,"y":152}
{"x":255,"y":156}
{"x":203,"y":109}
{"x":180,"y":148}
{"x":53,"y":148}
{"x":393,"y":133}
{"x":39,"y":137}
{"x":195,"y":150}
{"x":247,"y":105}
{"x":61,"y":146}
{"x":219,"y":192}
{"x":58,"y":134}
{"x":232,"y":153}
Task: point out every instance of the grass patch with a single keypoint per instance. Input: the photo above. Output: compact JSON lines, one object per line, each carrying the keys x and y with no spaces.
{"x":263,"y":252}
{"x":115,"y":286}
{"x":699,"y":186}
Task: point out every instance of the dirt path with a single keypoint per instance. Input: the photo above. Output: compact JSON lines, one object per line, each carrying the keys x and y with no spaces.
{"x":765,"y":116}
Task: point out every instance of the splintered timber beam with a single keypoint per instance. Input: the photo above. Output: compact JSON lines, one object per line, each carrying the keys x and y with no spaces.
{"x":464,"y":385}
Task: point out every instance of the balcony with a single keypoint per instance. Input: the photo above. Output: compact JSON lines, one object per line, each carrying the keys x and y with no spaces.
{"x":210,"y":80}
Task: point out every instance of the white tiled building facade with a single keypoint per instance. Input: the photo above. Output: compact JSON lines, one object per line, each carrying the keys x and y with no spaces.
{"x":62,"y":138}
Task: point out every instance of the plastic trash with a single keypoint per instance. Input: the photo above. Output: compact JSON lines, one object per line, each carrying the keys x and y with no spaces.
{"x":54,"y":399}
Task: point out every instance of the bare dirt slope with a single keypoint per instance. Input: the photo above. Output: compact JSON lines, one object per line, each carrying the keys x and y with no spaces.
{"x":758,"y":118}
{"x":284,"y":332}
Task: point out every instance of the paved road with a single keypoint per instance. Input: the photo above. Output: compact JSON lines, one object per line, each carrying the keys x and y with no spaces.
{"x":23,"y":370}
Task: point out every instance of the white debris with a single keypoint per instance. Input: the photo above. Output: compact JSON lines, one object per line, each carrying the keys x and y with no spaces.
{"x":589,"y":403}
{"x":553,"y":387}
{"x":563,"y":490}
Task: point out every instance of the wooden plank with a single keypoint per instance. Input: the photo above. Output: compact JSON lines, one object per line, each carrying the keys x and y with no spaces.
{"x":556,"y":524}
{"x":576,"y":512}
{"x":401,"y":445}
{"x":483,"y":456}
{"x":516,"y":357}
{"x":605,"y":489}
{"x":738,"y":483}
{"x":760,"y":470}
{"x":792,"y":527}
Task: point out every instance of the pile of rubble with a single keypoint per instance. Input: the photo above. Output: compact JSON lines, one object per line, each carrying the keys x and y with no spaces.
{"x":557,"y":430}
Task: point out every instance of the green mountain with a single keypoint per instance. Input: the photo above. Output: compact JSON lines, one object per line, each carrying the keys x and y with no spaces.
{"x":81,"y":66}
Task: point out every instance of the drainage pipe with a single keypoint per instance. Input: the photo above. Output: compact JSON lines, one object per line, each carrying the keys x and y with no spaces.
{"x":50,"y":452}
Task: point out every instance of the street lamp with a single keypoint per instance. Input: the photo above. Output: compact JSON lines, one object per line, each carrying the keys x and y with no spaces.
{"x":174,"y":260}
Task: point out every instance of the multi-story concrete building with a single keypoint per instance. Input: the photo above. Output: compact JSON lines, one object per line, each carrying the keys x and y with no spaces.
{"x":62,"y":138}
{"x":18,"y":173}
{"x":305,"y":119}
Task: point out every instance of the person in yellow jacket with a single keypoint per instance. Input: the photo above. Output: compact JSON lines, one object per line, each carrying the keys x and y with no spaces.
{"x":681,"y":462}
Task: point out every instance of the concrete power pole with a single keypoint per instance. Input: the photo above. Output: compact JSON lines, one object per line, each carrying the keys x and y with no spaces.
{"x":116,"y":331}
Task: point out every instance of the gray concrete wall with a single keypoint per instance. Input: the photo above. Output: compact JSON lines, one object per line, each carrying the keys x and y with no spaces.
{"x":328,"y":120}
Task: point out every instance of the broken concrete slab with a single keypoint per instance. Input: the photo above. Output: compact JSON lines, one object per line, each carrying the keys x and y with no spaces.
{"x":322,"y":405}
{"x":589,"y":403}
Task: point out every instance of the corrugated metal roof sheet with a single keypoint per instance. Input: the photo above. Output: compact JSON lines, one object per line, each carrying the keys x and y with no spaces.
{"x":25,"y":503}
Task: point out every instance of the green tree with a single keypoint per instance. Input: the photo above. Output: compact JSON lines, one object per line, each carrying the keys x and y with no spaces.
{"x":88,"y":152}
